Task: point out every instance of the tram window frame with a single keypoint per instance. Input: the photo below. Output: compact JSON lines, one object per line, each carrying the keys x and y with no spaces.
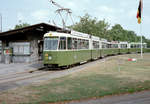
{"x":62,"y":43}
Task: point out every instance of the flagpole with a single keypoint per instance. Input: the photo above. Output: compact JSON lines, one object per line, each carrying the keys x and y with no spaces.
{"x":141,"y":30}
{"x":139,"y":17}
{"x":141,"y":40}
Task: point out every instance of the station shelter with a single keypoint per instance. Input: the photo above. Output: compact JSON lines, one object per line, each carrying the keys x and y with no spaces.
{"x":25,"y":44}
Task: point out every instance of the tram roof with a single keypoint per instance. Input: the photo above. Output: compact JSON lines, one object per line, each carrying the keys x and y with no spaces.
{"x":79,"y":34}
{"x":137,"y":43}
{"x":95,"y":38}
{"x":59,"y":34}
{"x":123,"y":42}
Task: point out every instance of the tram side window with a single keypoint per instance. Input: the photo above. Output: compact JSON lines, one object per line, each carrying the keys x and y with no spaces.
{"x":114,"y":46}
{"x":123,"y":46}
{"x":104,"y":45}
{"x":133,"y":46}
{"x":69,"y":43}
{"x":87,"y":44}
{"x":74,"y":43}
{"x":62,"y":43}
{"x":138,"y":46}
{"x":110,"y":45}
{"x":144,"y":46}
{"x":79,"y":44}
{"x":95,"y":45}
{"x":84,"y":44}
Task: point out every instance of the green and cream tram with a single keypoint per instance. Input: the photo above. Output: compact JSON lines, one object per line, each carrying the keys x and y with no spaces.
{"x":62,"y":49}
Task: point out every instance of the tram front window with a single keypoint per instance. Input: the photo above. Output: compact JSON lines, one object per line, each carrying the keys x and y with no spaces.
{"x":50,"y":43}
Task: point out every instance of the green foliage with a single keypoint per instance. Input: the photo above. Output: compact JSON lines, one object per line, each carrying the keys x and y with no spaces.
{"x":91,"y":26}
{"x":101,"y":28}
{"x":18,"y":26}
{"x":117,"y":33}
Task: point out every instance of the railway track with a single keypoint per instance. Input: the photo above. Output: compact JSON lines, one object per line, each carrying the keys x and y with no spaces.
{"x":10,"y":81}
{"x":23,"y":76}
{"x":15,"y":77}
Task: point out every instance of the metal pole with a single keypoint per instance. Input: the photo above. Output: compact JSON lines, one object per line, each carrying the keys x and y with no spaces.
{"x":141,"y":40}
{"x":1,"y":21}
{"x":141,"y":29}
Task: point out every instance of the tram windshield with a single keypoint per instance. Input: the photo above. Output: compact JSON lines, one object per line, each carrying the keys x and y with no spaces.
{"x":51,"y":43}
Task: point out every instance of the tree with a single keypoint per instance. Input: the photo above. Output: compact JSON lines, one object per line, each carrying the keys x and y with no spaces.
{"x":91,"y":26}
{"x":100,"y":28}
{"x":21,"y":25}
{"x":116,"y":32}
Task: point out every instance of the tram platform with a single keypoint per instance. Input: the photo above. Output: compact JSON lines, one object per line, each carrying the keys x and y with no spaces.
{"x":19,"y":67}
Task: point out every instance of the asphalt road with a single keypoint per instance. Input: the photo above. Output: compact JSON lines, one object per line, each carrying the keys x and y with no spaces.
{"x":136,"y":98}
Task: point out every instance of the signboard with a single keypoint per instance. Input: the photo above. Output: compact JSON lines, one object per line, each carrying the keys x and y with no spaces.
{"x":21,"y":48}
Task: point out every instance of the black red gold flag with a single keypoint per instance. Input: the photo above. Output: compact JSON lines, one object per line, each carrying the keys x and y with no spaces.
{"x":139,"y":12}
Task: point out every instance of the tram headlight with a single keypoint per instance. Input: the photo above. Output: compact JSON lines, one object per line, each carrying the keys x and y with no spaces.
{"x":49,"y":58}
{"x":46,"y":55}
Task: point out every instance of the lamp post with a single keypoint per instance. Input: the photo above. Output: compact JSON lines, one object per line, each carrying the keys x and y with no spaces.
{"x":1,"y":21}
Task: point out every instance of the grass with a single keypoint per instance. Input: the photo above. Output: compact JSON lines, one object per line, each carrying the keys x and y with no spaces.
{"x":99,"y":79}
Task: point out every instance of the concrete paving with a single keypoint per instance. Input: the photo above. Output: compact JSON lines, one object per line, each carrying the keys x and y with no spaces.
{"x":19,"y":67}
{"x":136,"y":98}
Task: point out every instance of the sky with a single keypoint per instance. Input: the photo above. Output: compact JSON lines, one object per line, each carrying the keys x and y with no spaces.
{"x":113,"y":11}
